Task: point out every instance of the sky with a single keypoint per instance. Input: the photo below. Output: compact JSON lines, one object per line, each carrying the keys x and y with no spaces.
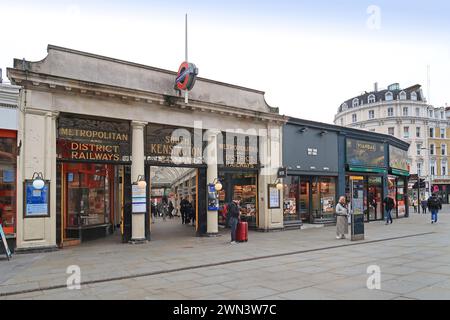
{"x":307,"y":56}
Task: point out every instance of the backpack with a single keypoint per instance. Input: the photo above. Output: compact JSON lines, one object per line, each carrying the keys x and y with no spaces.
{"x":434,"y":203}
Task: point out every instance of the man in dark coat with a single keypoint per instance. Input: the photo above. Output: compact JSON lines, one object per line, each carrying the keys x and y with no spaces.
{"x":184,"y":207}
{"x":434,"y":205}
{"x":389,"y":204}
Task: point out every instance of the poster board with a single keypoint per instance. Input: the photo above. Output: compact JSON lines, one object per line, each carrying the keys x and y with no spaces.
{"x":5,"y":243}
{"x":274,"y":197}
{"x":138,"y":199}
{"x":36,"y":202}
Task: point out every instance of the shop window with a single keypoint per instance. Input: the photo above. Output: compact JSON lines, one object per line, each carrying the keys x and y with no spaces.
{"x":8,"y":183}
{"x":291,"y":199}
{"x":323,"y":198}
{"x":88,"y":194}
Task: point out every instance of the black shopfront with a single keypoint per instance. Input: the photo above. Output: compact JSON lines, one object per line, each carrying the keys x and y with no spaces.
{"x":310,"y":157}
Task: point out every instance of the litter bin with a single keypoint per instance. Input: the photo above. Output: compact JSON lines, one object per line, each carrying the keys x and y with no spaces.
{"x":357,"y":226}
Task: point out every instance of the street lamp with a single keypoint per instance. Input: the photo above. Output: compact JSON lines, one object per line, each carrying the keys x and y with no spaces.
{"x":141,"y":183}
{"x":38,"y":181}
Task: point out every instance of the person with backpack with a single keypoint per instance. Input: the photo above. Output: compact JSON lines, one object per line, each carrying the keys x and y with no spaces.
{"x":234,"y":214}
{"x":389,"y":204}
{"x":434,"y":205}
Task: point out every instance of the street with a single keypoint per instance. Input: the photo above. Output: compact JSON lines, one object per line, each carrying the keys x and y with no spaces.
{"x":413,"y":257}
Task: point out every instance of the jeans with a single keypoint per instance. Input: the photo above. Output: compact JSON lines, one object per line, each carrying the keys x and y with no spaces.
{"x":233,"y":224}
{"x":388,"y":216}
{"x":434,"y":213}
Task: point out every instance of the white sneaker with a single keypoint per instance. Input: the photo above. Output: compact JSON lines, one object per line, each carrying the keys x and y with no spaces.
{"x":233,"y":242}
{"x":338,"y":237}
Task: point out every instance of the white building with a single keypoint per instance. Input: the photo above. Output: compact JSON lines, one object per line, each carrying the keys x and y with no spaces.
{"x":403,"y":113}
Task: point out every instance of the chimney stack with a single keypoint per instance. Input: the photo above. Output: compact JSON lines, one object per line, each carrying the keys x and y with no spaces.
{"x":376,"y":87}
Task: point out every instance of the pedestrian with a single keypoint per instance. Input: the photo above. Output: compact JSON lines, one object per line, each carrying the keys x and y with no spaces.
{"x":164,"y":207}
{"x":434,"y":205}
{"x":192,"y":212}
{"x":341,"y":218}
{"x":170,"y":209}
{"x":234,"y":214}
{"x":424,"y":205}
{"x":389,"y":204}
{"x":414,"y":203}
{"x":184,"y":204}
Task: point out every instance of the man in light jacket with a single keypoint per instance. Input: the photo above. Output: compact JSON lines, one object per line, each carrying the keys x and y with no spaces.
{"x":342,"y":218}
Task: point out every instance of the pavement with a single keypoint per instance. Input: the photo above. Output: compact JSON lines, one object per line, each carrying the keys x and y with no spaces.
{"x":412,"y":255}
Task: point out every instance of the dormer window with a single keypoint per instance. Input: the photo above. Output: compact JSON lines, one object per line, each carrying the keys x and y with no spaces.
{"x":403,"y":95}
{"x":344,"y":107}
{"x":389,"y":96}
{"x":371,"y":98}
{"x":413,"y":96}
{"x":355,"y":103}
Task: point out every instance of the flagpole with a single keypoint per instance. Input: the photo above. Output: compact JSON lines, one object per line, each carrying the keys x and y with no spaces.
{"x":186,"y":93}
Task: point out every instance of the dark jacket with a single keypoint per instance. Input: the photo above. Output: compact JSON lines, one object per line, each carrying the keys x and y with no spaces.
{"x":233,"y":210}
{"x":389,"y":203}
{"x":434,"y":203}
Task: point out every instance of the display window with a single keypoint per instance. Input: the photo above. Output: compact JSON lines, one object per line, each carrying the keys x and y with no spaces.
{"x":323,"y":198}
{"x":397,"y":190}
{"x":243,"y":185}
{"x":291,"y":201}
{"x":8,"y":181}
{"x":89,"y":189}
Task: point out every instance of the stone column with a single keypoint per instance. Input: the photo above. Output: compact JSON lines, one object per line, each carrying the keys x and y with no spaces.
{"x":212,"y":222}
{"x":137,"y":169}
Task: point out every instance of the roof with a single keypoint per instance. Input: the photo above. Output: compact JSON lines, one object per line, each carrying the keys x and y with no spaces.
{"x":381,"y":96}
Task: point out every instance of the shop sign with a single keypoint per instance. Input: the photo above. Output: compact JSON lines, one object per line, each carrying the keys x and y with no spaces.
{"x":173,"y":145}
{"x":238,"y":150}
{"x":364,"y":153}
{"x":369,"y":170}
{"x":400,"y":172}
{"x":93,"y":140}
{"x":398,"y":159}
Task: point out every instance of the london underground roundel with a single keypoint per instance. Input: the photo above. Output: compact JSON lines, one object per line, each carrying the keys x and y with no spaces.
{"x":187,"y":73}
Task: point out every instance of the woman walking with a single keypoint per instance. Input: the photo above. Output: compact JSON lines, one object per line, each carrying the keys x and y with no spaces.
{"x":342,"y":218}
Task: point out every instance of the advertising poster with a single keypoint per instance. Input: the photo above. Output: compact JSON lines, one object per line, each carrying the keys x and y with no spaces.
{"x":398,"y":158}
{"x":274,"y":197}
{"x":36,"y":202}
{"x":364,"y":153}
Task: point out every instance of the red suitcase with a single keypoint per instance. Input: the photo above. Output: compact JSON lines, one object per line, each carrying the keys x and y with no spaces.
{"x":242,"y":232}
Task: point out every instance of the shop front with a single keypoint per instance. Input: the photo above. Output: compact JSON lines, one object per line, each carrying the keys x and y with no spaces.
{"x":398,"y":180}
{"x":366,"y":171}
{"x":151,"y":131}
{"x":91,"y":153}
{"x":8,"y":184}
{"x":310,"y":155}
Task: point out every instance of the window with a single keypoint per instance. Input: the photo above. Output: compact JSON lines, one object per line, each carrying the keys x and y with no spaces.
{"x":413,"y":96}
{"x":432,"y":149}
{"x":8,"y":183}
{"x":443,"y":149}
{"x":354,"y":118}
{"x":431,"y":132}
{"x":433,"y":169}
{"x":417,"y":112}
{"x":405,"y":111}
{"x":442,"y":133}
{"x":444,"y":168}
{"x":419,"y":148}
{"x":391,"y":131}
{"x":442,"y":114}
{"x":419,"y":168}
{"x":389,"y":96}
{"x":355,"y":103}
{"x":406,"y":132}
{"x":430,"y":113}
{"x":371,"y":114}
{"x":403,"y":95}
{"x":390,"y":112}
{"x":371,"y":98}
{"x":417,"y":132}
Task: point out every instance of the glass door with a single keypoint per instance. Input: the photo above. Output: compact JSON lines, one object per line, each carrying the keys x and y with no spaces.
{"x":375,"y":198}
{"x":304,"y":199}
